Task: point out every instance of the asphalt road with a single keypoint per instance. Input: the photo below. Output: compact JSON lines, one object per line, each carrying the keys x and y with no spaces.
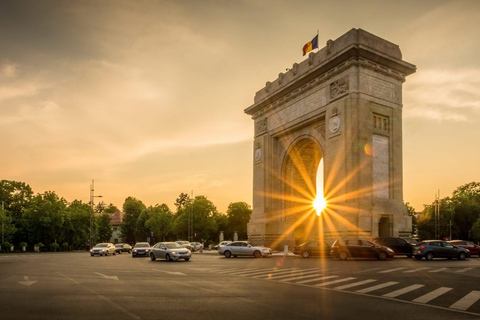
{"x":209,"y":286}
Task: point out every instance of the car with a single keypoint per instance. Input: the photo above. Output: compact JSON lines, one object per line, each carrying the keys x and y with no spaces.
{"x":470,"y":246}
{"x":243,"y":248}
{"x":103,"y":249}
{"x":360,"y":248}
{"x":170,"y":251}
{"x":221,"y":244}
{"x":185,"y":244}
{"x":196,"y":246}
{"x":439,"y":249}
{"x":399,"y":245}
{"x":123,"y":247}
{"x":312,"y":248}
{"x":141,"y":249}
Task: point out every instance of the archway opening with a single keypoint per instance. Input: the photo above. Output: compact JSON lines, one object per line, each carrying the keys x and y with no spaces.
{"x":320,"y":203}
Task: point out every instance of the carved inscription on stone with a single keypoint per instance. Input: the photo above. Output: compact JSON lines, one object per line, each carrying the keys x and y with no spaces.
{"x":338,"y":88}
{"x":381,"y":167}
{"x":299,"y":109}
{"x":380,"y":88}
{"x":261,"y":126}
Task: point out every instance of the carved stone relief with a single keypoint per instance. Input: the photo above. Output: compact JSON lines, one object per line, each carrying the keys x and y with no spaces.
{"x":338,"y":88}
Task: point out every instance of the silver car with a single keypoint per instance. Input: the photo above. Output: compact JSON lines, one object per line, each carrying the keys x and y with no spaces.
{"x":243,"y":248}
{"x":103,"y":249}
{"x":169,"y":251}
{"x":221,"y":244}
{"x":196,"y":246}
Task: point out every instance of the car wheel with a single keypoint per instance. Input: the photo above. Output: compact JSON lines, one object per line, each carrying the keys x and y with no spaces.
{"x":343,"y":255}
{"x":382,"y":256}
{"x":461,"y":256}
{"x":227,"y":254}
{"x":119,"y":252}
{"x":152,"y":257}
{"x":106,"y":253}
{"x":418,"y":257}
{"x":186,"y":259}
{"x":235,"y":256}
{"x":167,"y":258}
{"x":306,"y":254}
{"x":114,"y":253}
{"x":429,"y":256}
{"x":92,"y":255}
{"x":129,"y":251}
{"x":257,"y":254}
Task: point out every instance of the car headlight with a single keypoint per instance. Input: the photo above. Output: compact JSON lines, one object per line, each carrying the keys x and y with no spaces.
{"x":266,"y":250}
{"x":147,"y":250}
{"x":134,"y":250}
{"x":389,"y":250}
{"x":174,"y":252}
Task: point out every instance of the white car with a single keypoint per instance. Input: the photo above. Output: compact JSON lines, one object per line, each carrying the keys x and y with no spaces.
{"x":185,"y":244}
{"x":196,"y":246}
{"x":243,"y":248}
{"x":103,"y":249}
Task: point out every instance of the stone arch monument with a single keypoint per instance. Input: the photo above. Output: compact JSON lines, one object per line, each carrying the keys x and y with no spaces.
{"x":343,"y":105}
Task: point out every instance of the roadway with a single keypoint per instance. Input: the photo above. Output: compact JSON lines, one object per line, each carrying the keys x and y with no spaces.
{"x":209,"y":286}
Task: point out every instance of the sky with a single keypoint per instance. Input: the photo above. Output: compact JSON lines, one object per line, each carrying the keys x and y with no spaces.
{"x":147,"y":97}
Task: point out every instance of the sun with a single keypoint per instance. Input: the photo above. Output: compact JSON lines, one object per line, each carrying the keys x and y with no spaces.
{"x":319,"y":204}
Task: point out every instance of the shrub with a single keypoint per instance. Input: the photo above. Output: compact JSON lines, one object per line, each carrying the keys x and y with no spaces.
{"x":6,"y":246}
{"x":54,"y":246}
{"x":65,"y":246}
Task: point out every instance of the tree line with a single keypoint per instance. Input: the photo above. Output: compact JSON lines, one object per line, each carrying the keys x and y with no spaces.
{"x":49,"y":221}
{"x":458,"y":215}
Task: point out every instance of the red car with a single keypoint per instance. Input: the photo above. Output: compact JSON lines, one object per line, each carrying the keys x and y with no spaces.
{"x":472,"y":247}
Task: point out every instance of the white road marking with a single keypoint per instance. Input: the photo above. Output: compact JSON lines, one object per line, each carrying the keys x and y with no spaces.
{"x":237,"y":270}
{"x":267,"y":272}
{"x":316,"y":279}
{"x":438,"y":270}
{"x":432,"y":295}
{"x":391,"y":270}
{"x":464,"y":270}
{"x":415,"y":270}
{"x":297,"y":275}
{"x":377,"y":287}
{"x":467,"y":301}
{"x":303,"y":277}
{"x":399,"y":292}
{"x":107,"y":277}
{"x":334,"y":281}
{"x":27,"y":281}
{"x":170,"y":272}
{"x":355,"y":284}
{"x":367,"y":270}
{"x":282,"y":274}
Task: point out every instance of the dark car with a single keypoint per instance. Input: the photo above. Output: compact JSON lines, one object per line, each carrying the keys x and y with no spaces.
{"x":470,"y":246}
{"x":439,"y":249}
{"x":312,"y":248}
{"x":123,"y":247}
{"x":141,"y":249}
{"x":399,"y":245}
{"x":359,"y":248}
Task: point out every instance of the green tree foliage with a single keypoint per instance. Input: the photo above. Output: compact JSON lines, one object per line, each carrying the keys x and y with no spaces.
{"x":182,"y":201}
{"x":132,"y":208}
{"x":238,"y":216}
{"x":142,"y":232}
{"x":412,"y":213}
{"x":45,"y":217}
{"x":222,"y":224}
{"x":16,"y":196}
{"x":201,"y":213}
{"x":111,"y":209}
{"x":77,"y":224}
{"x":104,"y":230}
{"x":8,"y":227}
{"x":160,"y":222}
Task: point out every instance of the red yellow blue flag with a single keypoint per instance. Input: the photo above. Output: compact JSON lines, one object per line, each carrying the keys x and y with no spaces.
{"x":309,"y":46}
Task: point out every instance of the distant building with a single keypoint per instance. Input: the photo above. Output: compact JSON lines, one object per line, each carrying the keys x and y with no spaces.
{"x":115,"y":224}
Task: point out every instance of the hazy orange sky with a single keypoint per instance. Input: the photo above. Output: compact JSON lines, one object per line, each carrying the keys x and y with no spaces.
{"x":147,"y":97}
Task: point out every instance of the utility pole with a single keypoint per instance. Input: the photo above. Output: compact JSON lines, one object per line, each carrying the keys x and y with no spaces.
{"x":3,"y":222}
{"x":92,"y":216}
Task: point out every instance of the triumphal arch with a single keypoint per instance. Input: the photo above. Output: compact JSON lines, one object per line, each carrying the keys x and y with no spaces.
{"x":341,"y":108}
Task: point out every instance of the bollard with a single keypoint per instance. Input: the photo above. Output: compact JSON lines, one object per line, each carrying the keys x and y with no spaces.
{"x":285,"y":251}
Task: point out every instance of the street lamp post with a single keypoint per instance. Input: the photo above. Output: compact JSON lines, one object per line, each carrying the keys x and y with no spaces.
{"x":92,"y":196}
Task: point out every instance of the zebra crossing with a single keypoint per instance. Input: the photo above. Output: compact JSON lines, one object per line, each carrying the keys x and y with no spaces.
{"x":327,"y":279}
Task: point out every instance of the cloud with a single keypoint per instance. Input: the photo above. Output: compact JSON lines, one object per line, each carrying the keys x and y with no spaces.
{"x":443,"y":95}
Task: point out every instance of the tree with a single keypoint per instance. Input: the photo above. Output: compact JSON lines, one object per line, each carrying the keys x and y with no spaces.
{"x":182,"y":201}
{"x":77,"y":224}
{"x":104,"y":229}
{"x":132,"y":208}
{"x":160,"y":222}
{"x":16,"y":196}
{"x":45,"y":217}
{"x":412,"y":213}
{"x":6,"y":223}
{"x":238,"y":216}
{"x":111,"y":209}
{"x":142,"y":232}
{"x":202,"y":212}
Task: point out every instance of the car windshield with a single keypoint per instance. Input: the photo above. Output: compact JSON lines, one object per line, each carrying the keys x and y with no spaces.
{"x":101,"y":245}
{"x":174,"y":246}
{"x":142,"y":245}
{"x":119,"y":246}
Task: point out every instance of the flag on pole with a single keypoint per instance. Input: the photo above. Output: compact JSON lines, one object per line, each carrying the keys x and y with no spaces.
{"x":309,"y":46}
